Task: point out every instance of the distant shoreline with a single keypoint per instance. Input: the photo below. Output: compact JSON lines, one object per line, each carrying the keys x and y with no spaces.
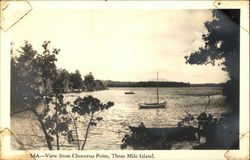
{"x":208,"y":85}
{"x":159,"y":87}
{"x":159,"y":84}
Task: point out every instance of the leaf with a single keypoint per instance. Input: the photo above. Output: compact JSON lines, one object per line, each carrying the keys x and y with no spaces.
{"x":99,"y":118}
{"x":49,"y":124}
{"x":192,"y":118}
{"x":93,"y":123}
{"x":62,"y":127}
{"x":75,"y":109}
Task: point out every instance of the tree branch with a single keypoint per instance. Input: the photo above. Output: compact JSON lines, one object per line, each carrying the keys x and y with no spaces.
{"x":87,"y":130}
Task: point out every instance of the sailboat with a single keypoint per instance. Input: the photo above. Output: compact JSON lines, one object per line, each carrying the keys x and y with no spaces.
{"x":153,"y":105}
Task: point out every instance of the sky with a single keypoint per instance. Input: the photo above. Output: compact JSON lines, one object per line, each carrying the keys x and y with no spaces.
{"x":122,"y":45}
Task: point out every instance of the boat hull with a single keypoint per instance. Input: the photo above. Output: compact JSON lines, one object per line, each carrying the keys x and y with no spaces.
{"x":152,"y":105}
{"x":129,"y":93}
{"x":175,"y":133}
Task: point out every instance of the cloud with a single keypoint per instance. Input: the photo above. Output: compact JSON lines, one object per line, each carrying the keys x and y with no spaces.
{"x":127,"y":45}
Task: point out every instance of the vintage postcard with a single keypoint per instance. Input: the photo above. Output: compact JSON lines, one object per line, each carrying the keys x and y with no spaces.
{"x":124,"y":80}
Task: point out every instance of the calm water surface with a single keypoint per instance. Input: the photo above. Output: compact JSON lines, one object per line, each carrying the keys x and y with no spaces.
{"x":108,"y":133}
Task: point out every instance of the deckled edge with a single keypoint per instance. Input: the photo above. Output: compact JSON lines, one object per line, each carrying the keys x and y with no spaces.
{"x":242,"y":154}
{"x":220,"y":4}
{"x":13,"y":154}
{"x":244,"y":138}
{"x":6,"y":29}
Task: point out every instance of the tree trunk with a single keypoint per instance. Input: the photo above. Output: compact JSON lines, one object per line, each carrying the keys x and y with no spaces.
{"x":87,"y":130}
{"x":76,"y":130}
{"x":46,"y":93}
{"x":47,"y":137}
{"x":57,"y":135}
{"x":77,"y":137}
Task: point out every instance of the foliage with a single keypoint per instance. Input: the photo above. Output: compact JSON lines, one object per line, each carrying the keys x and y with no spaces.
{"x":99,"y":85}
{"x":46,"y":67}
{"x":32,"y":82}
{"x":89,"y":106}
{"x":143,"y":140}
{"x":207,"y":121}
{"x":221,"y":41}
{"x":69,"y":82}
{"x":57,"y":119}
{"x":62,"y":81}
{"x":36,"y":79}
{"x":24,"y":78}
{"x":202,"y":118}
{"x":32,"y":75}
{"x":146,"y":84}
{"x":76,"y":80}
{"x":219,"y":133}
{"x":222,"y":48}
{"x":188,"y":119}
{"x":91,"y":84}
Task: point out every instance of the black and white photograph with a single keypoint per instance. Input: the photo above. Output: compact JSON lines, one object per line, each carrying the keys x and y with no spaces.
{"x":126,"y":79}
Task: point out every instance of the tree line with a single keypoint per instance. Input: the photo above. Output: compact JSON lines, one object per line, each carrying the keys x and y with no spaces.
{"x":35,"y":79}
{"x":73,"y":82}
{"x":146,"y":84}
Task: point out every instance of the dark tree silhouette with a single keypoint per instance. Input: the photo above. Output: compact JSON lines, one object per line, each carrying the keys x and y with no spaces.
{"x":23,"y":75}
{"x":89,"y":82}
{"x":222,"y":47}
{"x":222,"y":43}
{"x":62,"y":81}
{"x":35,"y":80}
{"x":33,"y":74}
{"x":76,"y":80}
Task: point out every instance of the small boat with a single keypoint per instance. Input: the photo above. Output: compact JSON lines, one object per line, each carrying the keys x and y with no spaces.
{"x":153,"y":105}
{"x":129,"y":92}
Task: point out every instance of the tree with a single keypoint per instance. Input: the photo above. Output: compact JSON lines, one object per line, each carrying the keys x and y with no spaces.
{"x":24,"y":82}
{"x":89,"y":82}
{"x":76,"y":80}
{"x":222,"y":44}
{"x":222,"y":47}
{"x":62,"y":81}
{"x":99,"y":85}
{"x":88,"y":106}
{"x":36,"y":79}
{"x":33,"y":74}
{"x":57,"y":119}
{"x":58,"y":86}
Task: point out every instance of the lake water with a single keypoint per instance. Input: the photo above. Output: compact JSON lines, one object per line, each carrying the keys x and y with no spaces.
{"x":108,"y":133}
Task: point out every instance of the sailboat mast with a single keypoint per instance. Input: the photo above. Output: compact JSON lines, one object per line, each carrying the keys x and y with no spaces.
{"x":157,"y":89}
